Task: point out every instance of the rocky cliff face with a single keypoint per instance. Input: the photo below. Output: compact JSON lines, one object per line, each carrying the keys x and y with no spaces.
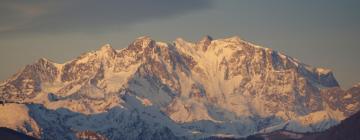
{"x":226,"y":87}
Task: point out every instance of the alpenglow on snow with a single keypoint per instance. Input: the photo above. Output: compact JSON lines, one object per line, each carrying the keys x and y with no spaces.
{"x":179,"y":90}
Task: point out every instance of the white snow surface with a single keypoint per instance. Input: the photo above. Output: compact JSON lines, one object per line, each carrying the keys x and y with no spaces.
{"x":224,"y":87}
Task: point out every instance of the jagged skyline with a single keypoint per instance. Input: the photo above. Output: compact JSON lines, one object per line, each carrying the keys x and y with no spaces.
{"x":212,"y":87}
{"x":321,"y":33}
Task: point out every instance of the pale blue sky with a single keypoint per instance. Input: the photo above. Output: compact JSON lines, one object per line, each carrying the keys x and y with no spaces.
{"x":323,"y":33}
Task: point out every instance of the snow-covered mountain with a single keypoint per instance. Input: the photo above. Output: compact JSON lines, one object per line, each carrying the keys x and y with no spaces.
{"x":179,"y":90}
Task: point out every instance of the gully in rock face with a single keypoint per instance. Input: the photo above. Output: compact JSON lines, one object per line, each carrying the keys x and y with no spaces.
{"x":175,"y":90}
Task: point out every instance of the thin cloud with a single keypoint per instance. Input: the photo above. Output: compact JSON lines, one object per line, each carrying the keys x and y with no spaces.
{"x":89,"y":15}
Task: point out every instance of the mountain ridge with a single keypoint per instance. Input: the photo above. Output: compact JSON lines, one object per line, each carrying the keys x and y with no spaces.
{"x":208,"y":88}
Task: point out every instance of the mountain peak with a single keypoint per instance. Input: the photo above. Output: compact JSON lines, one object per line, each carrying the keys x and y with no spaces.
{"x":233,"y":39}
{"x":44,"y":60}
{"x":140,"y":43}
{"x":105,"y":50}
{"x":357,"y":85}
{"x":205,"y":42}
{"x":143,"y":39}
{"x":322,"y":70}
{"x":180,"y":40}
{"x":106,"y":47}
{"x":205,"y":85}
{"x":206,"y":38}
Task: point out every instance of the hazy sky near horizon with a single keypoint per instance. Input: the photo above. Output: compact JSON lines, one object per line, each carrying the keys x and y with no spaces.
{"x":321,"y":33}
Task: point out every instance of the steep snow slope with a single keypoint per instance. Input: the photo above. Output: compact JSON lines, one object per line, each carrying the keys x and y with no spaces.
{"x":179,"y":90}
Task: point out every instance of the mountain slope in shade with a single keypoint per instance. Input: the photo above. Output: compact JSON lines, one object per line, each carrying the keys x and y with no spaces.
{"x":223,"y":87}
{"x":348,"y":129}
{"x":9,"y":134}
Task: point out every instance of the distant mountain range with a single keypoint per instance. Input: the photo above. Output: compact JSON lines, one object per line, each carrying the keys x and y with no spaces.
{"x":222,"y":88}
